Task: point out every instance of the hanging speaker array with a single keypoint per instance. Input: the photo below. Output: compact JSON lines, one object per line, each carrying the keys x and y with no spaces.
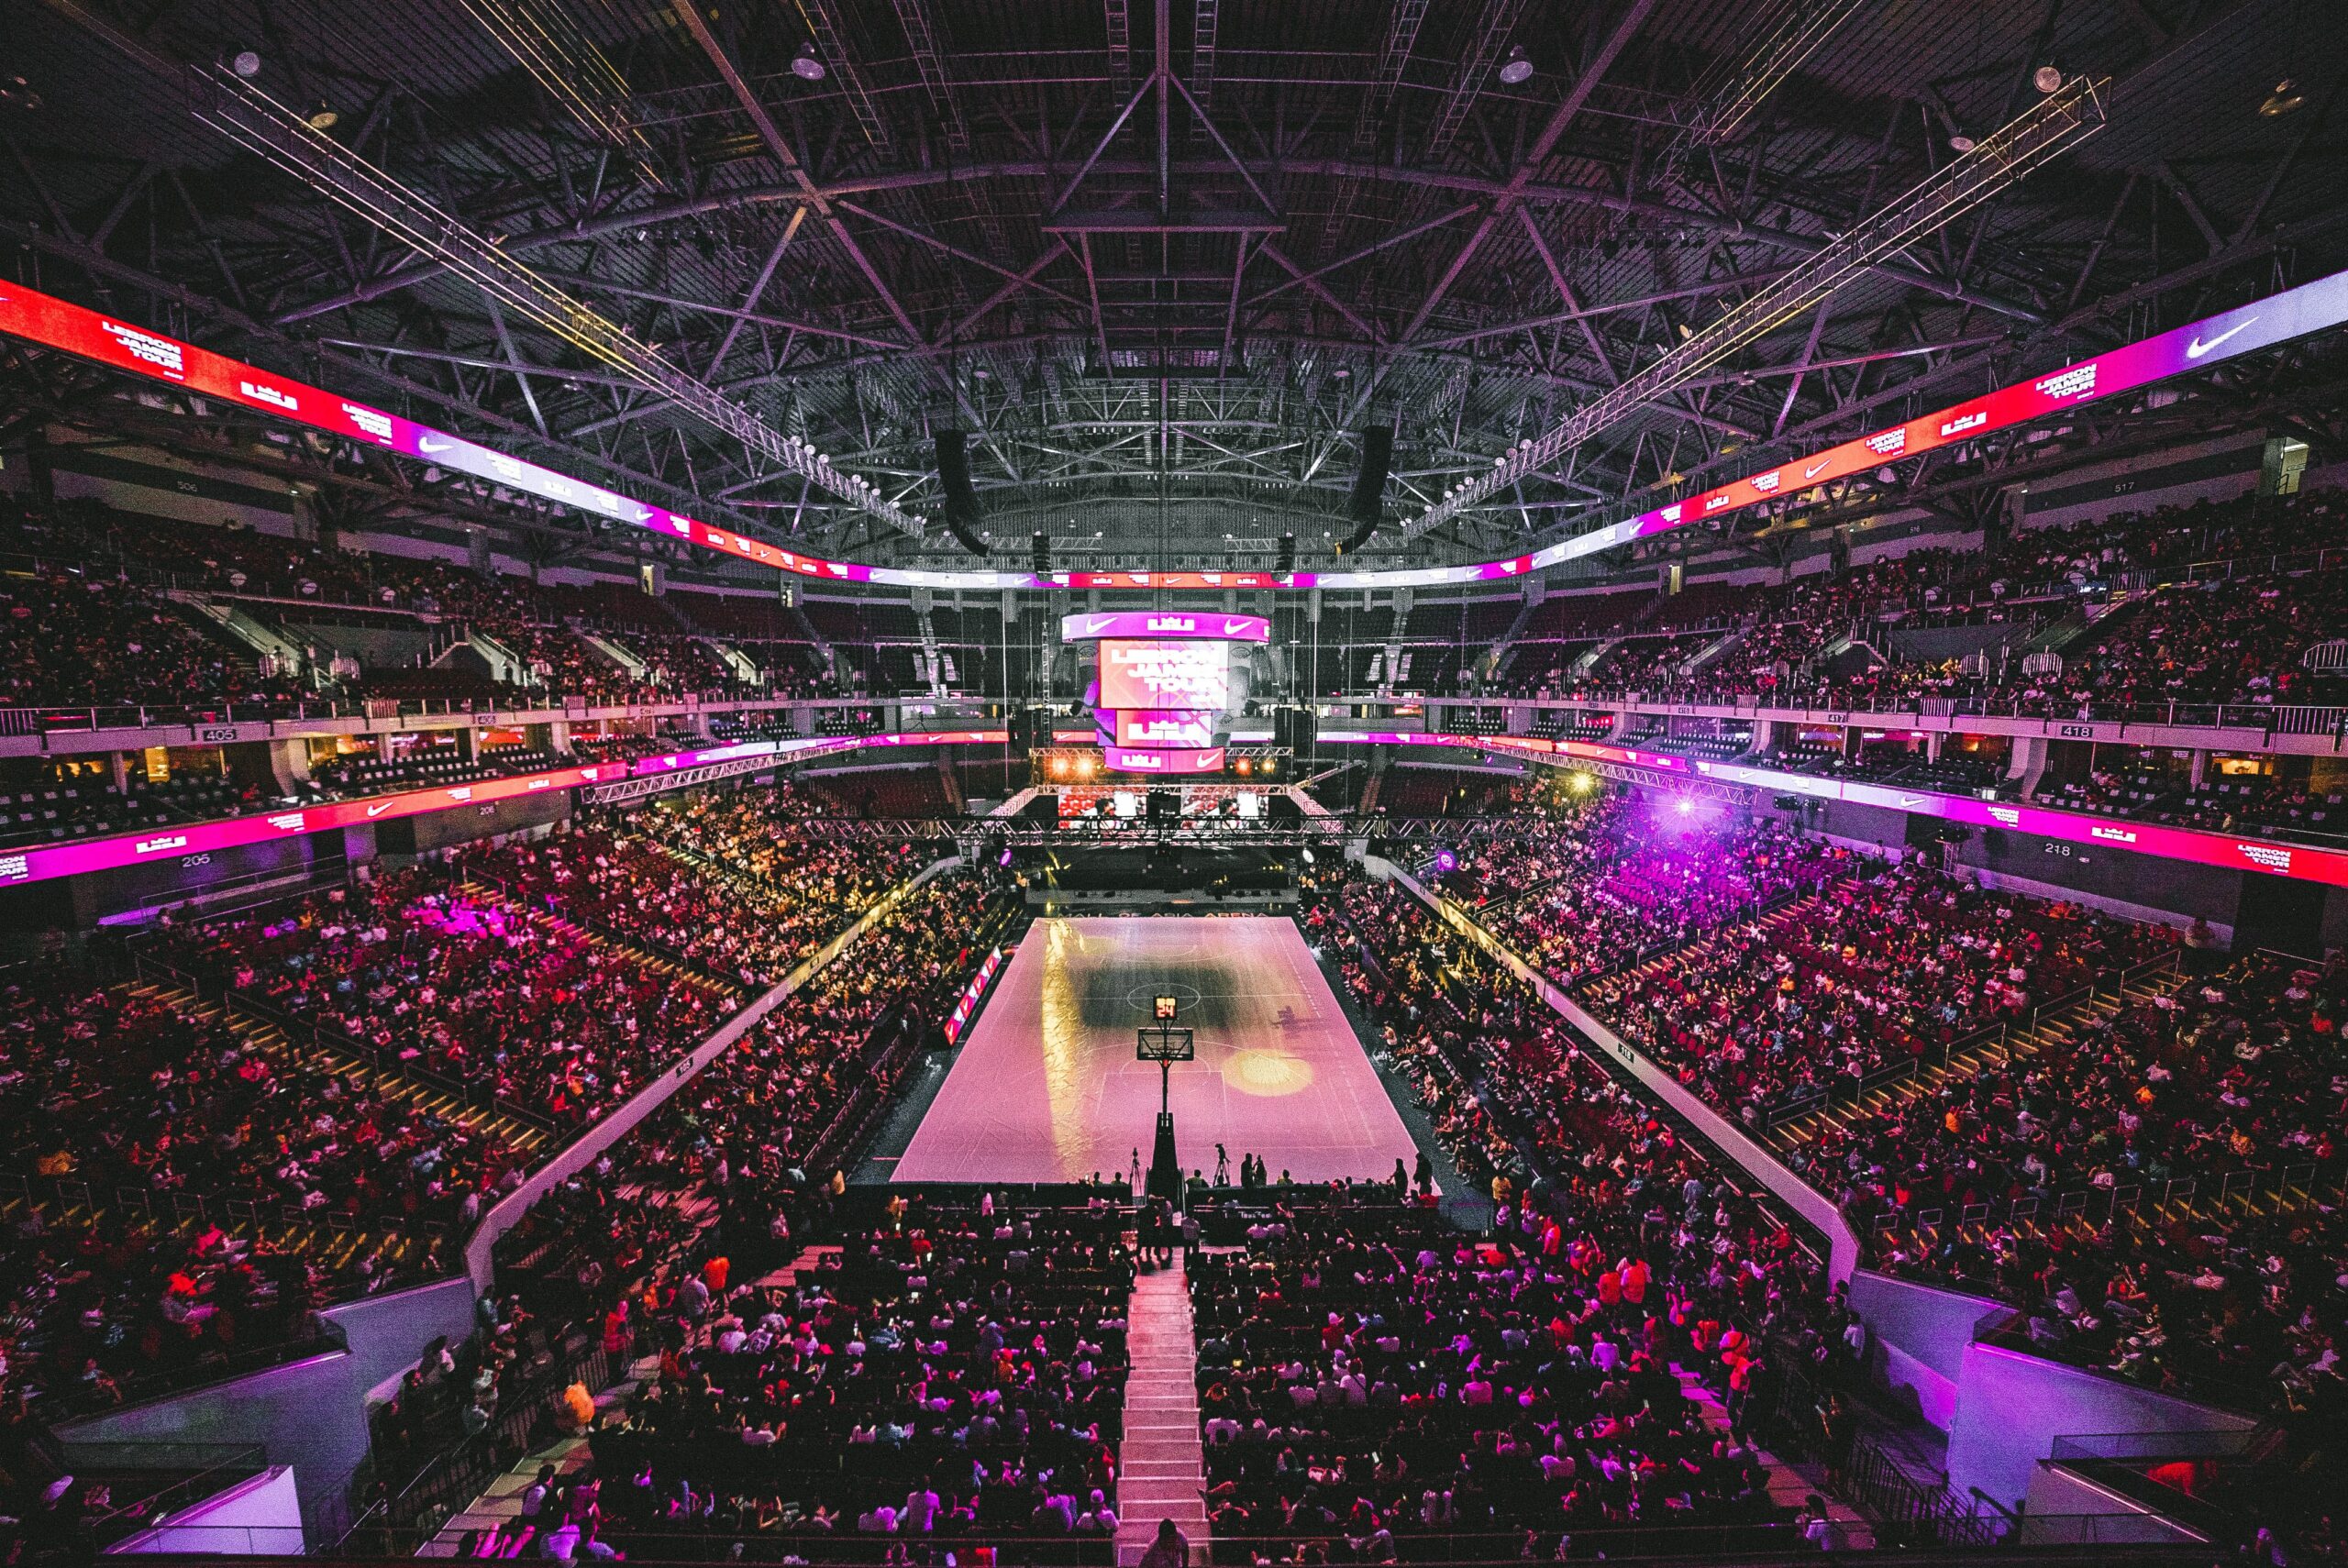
{"x":1369,"y":485}
{"x":960,"y":512}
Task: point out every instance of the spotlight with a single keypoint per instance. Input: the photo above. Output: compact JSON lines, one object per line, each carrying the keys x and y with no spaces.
{"x":1006,"y":857}
{"x":246,"y":64}
{"x":1060,"y":767}
{"x":1308,"y":855}
{"x":1960,"y":142}
{"x":1517,"y":68}
{"x":1084,"y":768}
{"x":1446,"y":862}
{"x":2047,"y":79}
{"x":806,"y":67}
{"x":1243,"y":767}
{"x":1581,"y":783}
{"x":1685,"y":806}
{"x":323,"y":117}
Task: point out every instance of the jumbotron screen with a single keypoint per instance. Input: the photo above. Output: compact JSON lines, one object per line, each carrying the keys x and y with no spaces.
{"x":1164,"y":674}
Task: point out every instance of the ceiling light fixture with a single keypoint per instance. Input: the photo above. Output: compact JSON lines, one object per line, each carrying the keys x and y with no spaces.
{"x":806,"y":67}
{"x":246,"y":64}
{"x":1960,"y":142}
{"x":2286,"y":98}
{"x":1518,"y":68}
{"x":2047,"y":78}
{"x":323,"y":117}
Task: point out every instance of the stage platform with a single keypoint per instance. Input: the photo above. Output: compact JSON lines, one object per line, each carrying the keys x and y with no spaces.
{"x":1046,"y":1089}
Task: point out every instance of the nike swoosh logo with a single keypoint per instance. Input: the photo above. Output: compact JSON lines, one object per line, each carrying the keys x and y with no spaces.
{"x":426,"y":443}
{"x":377,"y":810}
{"x":2195,"y":349}
{"x":1813,"y":472}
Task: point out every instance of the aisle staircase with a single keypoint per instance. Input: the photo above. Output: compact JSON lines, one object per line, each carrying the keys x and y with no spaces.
{"x":500,"y":1508}
{"x":1790,"y":1485}
{"x":1163,"y":1468}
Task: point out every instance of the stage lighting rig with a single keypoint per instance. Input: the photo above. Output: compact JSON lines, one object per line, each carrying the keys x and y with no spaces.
{"x":2056,"y":123}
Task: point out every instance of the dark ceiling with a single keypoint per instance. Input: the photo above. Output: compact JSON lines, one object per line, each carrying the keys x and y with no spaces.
{"x":1344,"y":215}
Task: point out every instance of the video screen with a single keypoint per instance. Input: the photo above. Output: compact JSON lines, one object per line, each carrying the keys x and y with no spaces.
{"x":1164,"y":728}
{"x":1156,"y":673}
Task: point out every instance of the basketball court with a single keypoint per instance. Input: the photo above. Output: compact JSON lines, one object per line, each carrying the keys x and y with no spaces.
{"x":1048,"y":1089}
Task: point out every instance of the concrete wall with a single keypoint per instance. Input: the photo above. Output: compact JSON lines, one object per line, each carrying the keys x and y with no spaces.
{"x":310,"y":1415}
{"x":2012,"y":1406}
{"x":259,"y":1518}
{"x":307,"y":1414}
{"x":1921,"y":1332}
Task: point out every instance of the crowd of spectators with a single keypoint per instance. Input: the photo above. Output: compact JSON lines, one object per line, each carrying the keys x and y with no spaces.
{"x":1579,"y":887}
{"x":1532,"y":1376}
{"x":2228,"y":1082}
{"x":1363,"y":1382}
{"x":2234,"y":634}
{"x":145,"y":1125}
{"x":70,"y":640}
{"x":751,"y":927}
{"x":516,"y":1010}
{"x":969,"y":1363}
{"x":1885,"y":966}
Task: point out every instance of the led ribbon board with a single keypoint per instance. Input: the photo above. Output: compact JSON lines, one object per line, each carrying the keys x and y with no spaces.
{"x":2304,"y":862}
{"x":1125,"y":760}
{"x":61,"y":325}
{"x":1159,"y":626}
{"x":167,"y":844}
{"x":1187,"y":729}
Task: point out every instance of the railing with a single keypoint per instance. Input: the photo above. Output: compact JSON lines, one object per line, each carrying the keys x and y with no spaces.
{"x":2266,"y":566}
{"x":2240,"y":1190}
{"x":69,"y":718}
{"x":1831,"y":707}
{"x":397,"y":1525}
{"x":1909,"y":1512}
{"x":197,"y":1470}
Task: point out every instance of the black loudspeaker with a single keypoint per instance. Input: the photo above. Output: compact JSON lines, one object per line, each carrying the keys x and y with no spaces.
{"x":1019,"y":729}
{"x":1370,"y":484}
{"x":960,"y":513}
{"x":1039,"y":552}
{"x":1287,"y":563}
{"x":1166,"y":805}
{"x":1296,"y":728}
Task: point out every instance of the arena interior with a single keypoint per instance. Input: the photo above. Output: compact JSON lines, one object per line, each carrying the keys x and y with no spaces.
{"x":1025,"y":783}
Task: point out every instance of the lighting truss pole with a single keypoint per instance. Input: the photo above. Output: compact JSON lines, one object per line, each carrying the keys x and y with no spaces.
{"x":277,"y":133}
{"x":548,"y":43}
{"x":1792,"y":36}
{"x":2056,"y":123}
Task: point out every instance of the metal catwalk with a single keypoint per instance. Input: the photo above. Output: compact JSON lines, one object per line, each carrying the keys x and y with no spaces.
{"x":1047,"y":1089}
